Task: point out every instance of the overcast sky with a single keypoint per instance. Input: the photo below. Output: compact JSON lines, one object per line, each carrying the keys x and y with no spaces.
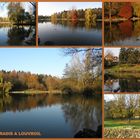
{"x":49,"y":8}
{"x":115,"y":51}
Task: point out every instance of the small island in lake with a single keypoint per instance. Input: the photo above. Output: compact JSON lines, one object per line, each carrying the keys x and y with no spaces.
{"x":70,"y":23}
{"x":17,"y":23}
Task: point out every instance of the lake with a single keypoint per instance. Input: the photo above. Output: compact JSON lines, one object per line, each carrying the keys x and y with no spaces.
{"x":122,"y":82}
{"x":68,"y":33}
{"x":53,"y":116}
{"x":126,"y":33}
{"x":17,"y":35}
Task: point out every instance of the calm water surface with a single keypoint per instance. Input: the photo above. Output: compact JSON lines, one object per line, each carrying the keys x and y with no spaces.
{"x":52,"y":116}
{"x":126,"y":33}
{"x":17,"y":35}
{"x":122,"y":83}
{"x":67,"y":33}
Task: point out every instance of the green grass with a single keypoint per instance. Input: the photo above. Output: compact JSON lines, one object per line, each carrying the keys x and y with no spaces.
{"x":135,"y":124}
{"x":124,"y":68}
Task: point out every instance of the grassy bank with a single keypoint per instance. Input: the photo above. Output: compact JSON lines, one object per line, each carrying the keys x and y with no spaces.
{"x":122,"y":124}
{"x":124,"y":68}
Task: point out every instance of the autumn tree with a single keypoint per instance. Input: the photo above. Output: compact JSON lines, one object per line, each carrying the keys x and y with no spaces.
{"x":85,"y":70}
{"x":5,"y":87}
{"x":123,"y":106}
{"x":136,"y":9}
{"x":74,"y":15}
{"x":15,"y":12}
{"x":18,"y":15}
{"x":54,"y":17}
{"x":64,"y":15}
{"x":89,"y":15}
{"x":132,"y":104}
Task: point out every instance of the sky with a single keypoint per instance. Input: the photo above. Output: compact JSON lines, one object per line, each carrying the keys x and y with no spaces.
{"x":4,"y":11}
{"x":115,"y":51}
{"x":35,"y":60}
{"x":49,"y":8}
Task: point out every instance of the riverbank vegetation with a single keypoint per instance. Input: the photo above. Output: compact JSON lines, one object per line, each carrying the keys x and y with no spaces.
{"x":81,"y":75}
{"x":17,"y":13}
{"x":89,"y":15}
{"x":128,"y":61}
{"x":120,"y":11}
{"x":19,"y":18}
{"x":122,"y":114}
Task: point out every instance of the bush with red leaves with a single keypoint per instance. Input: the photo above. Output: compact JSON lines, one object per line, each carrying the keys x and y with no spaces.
{"x":126,"y":11}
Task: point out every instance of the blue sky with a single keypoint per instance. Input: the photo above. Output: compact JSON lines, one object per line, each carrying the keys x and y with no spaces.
{"x":4,"y":11}
{"x":48,"y":8}
{"x":36,"y":60}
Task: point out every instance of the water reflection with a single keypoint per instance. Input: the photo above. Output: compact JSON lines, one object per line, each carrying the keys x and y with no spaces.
{"x":17,"y":35}
{"x":125,"y":33}
{"x":65,"y":115}
{"x":65,"y":32}
{"x":122,"y":83}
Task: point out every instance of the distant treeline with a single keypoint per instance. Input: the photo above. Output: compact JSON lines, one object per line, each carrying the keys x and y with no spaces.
{"x":121,"y":9}
{"x":129,"y":56}
{"x":4,"y":19}
{"x":81,"y":75}
{"x":19,"y":80}
{"x":74,"y":14}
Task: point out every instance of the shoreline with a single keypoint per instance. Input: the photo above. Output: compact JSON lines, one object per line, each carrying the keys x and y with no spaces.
{"x":34,"y":92}
{"x":121,"y":19}
{"x":97,"y":20}
{"x":124,"y":68}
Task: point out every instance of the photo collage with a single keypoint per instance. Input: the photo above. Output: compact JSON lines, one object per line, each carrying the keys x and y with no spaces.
{"x":70,"y":69}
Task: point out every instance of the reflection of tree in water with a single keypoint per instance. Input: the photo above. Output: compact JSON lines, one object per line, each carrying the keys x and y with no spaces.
{"x":90,"y":25}
{"x":130,"y":84}
{"x":83,"y":113}
{"x":122,"y":30}
{"x":18,"y":34}
{"x":79,"y":111}
{"x":136,"y":31}
{"x":126,"y":82}
{"x":78,"y":24}
{"x":5,"y":100}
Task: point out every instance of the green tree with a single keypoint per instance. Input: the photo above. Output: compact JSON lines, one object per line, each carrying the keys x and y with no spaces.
{"x":123,"y":56}
{"x":15,"y":12}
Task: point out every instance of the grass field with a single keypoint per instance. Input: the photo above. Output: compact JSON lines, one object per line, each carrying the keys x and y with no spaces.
{"x":122,"y":124}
